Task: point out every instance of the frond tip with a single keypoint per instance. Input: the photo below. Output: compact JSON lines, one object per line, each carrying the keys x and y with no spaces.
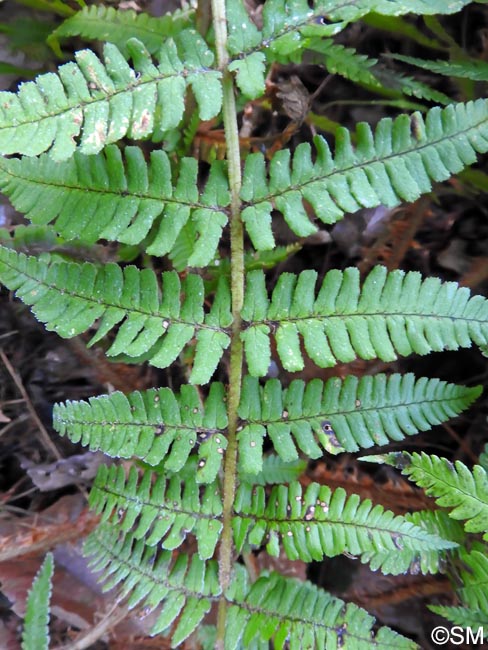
{"x":35,"y":635}
{"x":392,"y":314}
{"x":453,"y":485}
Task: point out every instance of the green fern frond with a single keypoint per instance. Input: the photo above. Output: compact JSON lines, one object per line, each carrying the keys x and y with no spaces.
{"x":121,"y":197}
{"x":392,"y":314}
{"x":185,"y":587}
{"x":359,"y":68}
{"x":473,"y":591}
{"x":287,"y":27}
{"x":155,"y":425}
{"x":463,"y":616}
{"x":35,"y":635}
{"x":475,"y":70}
{"x":299,"y":615}
{"x":438,"y":523}
{"x":89,"y":104}
{"x":398,"y":162}
{"x":341,"y":415}
{"x":118,"y":26}
{"x":321,"y":523}
{"x":162,"y":513}
{"x":393,"y":80}
{"x":289,"y":611}
{"x":452,"y":485}
{"x":70,"y":297}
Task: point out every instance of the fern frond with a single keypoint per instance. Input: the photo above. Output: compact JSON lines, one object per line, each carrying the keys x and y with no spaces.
{"x":452,"y":485}
{"x":35,"y":635}
{"x":393,"y":80}
{"x":473,"y":591}
{"x":463,"y":616}
{"x":398,"y":162}
{"x":359,"y":68}
{"x":120,"y":197}
{"x":155,"y":425}
{"x":118,"y":26}
{"x":345,"y":61}
{"x":291,"y":612}
{"x":185,"y":587}
{"x":161,"y":513}
{"x":392,"y":314}
{"x":299,"y":615}
{"x":70,"y":297}
{"x":89,"y":104}
{"x":287,"y":27}
{"x":321,"y":523}
{"x":341,"y":415}
{"x":438,"y":523}
{"x":470,"y":69}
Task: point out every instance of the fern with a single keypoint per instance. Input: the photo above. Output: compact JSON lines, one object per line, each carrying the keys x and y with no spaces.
{"x":35,"y":635}
{"x":452,"y":485}
{"x":217,"y":464}
{"x":273,"y":607}
{"x":393,"y":313}
{"x":106,"y":101}
{"x":319,"y":523}
{"x":69,"y":297}
{"x":469,"y":69}
{"x":155,"y":426}
{"x":122,"y":198}
{"x":400,"y":161}
{"x":119,"y":26}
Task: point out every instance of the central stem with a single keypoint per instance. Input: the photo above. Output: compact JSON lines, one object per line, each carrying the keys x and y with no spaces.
{"x":237,"y":288}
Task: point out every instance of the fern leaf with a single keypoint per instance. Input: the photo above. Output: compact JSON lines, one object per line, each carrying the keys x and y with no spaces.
{"x":398,"y":162}
{"x":89,"y":104}
{"x":70,"y":297}
{"x":288,"y":28}
{"x":154,"y":425}
{"x":359,"y":68}
{"x":464,"y":616}
{"x":469,"y":69}
{"x":474,"y":578}
{"x":162,"y":513}
{"x":392,"y":314}
{"x":299,"y":615}
{"x":119,"y":26}
{"x":393,"y":80}
{"x":452,"y":485}
{"x":188,"y":588}
{"x":439,"y":523}
{"x":341,"y":415}
{"x":120,"y":197}
{"x":185,"y":587}
{"x":321,"y":523}
{"x":35,"y":635}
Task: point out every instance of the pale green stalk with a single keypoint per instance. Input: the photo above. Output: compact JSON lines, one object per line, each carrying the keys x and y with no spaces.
{"x":237,"y":288}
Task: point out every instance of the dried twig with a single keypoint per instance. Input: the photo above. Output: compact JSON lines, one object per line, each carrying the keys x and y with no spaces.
{"x":88,"y":638}
{"x":45,"y":438}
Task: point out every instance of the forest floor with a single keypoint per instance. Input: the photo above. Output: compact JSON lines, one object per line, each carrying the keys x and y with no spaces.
{"x":44,"y":479}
